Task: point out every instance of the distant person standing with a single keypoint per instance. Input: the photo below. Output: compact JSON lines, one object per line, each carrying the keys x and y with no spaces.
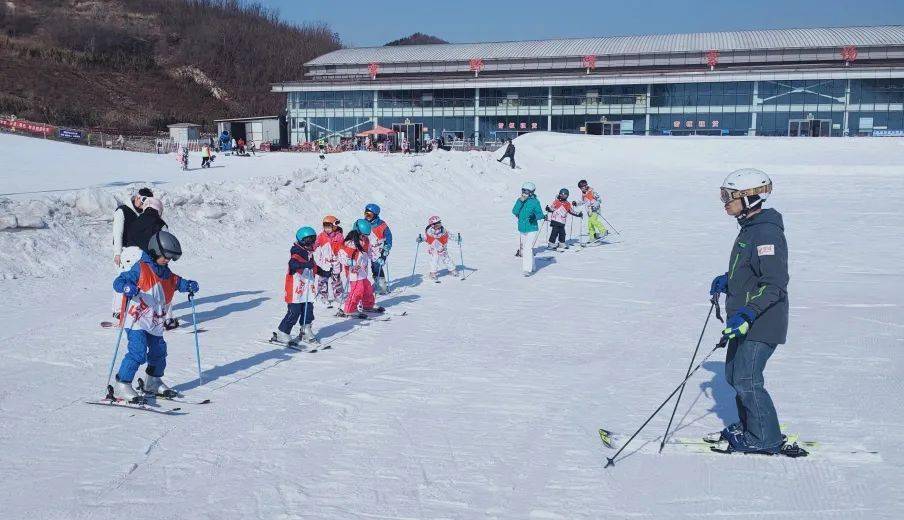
{"x":510,"y":153}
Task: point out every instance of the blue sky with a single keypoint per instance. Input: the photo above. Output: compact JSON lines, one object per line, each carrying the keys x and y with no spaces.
{"x":366,"y":23}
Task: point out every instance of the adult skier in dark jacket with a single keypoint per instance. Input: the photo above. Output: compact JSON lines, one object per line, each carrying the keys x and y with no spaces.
{"x":756,"y":289}
{"x":510,"y":153}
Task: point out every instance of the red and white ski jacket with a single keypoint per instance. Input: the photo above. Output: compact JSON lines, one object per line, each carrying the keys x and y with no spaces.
{"x":436,"y":240}
{"x":560,"y":210}
{"x":326,"y":250}
{"x":356,"y":261}
{"x":299,"y":284}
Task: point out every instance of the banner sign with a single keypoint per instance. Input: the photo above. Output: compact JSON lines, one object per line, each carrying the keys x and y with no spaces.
{"x":28,"y":126}
{"x":66,"y":133}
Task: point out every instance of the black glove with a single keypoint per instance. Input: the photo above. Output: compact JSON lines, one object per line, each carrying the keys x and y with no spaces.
{"x":547,"y":209}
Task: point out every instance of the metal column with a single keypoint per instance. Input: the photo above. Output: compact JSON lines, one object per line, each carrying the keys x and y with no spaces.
{"x":755,"y":106}
{"x":647,"y":109}
{"x":476,"y":117}
{"x":846,"y":131}
{"x":376,"y":106}
{"x":549,"y":108}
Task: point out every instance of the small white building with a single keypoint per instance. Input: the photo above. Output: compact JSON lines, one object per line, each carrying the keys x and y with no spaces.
{"x":269,"y":129}
{"x":182,"y":133}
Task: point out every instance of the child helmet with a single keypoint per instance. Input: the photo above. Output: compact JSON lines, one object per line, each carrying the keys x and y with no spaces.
{"x":305,"y":232}
{"x":331,"y":220}
{"x":362,"y":226}
{"x":433,"y":220}
{"x":372,"y":208}
{"x":563,"y":193}
{"x":165,"y":244}
{"x":529,"y":186}
{"x":153,"y":202}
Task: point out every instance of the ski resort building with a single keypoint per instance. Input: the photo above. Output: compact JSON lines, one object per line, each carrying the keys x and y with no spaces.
{"x":794,"y":82}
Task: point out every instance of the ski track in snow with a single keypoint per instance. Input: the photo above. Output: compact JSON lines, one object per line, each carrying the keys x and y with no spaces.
{"x":485,"y":400}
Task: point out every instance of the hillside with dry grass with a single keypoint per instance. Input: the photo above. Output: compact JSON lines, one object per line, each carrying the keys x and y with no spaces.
{"x":142,"y":64}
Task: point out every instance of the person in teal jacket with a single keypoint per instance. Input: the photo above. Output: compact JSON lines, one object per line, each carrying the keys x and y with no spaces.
{"x":527,"y":209}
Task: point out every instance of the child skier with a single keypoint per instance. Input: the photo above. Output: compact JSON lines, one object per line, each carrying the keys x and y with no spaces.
{"x":381,"y":244}
{"x":355,"y":256}
{"x":558,"y":214}
{"x":591,"y":201}
{"x":299,"y":288}
{"x":437,"y":238}
{"x":149,"y":286}
{"x":326,"y":254}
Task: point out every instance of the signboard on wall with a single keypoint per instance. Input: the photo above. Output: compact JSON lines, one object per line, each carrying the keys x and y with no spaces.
{"x":66,"y":133}
{"x":888,"y":133}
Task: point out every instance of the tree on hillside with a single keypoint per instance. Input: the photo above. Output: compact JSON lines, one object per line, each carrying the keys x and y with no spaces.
{"x":417,"y":38}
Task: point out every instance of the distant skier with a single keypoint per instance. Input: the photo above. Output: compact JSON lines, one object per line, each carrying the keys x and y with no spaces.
{"x":326,"y":254}
{"x":183,"y":156}
{"x":756,"y":288}
{"x":149,"y":285}
{"x":206,"y":156}
{"x":510,"y":153}
{"x":125,"y":248}
{"x":381,"y":243}
{"x":321,"y":146}
{"x":355,"y":256}
{"x":437,"y":239}
{"x":558,"y":211}
{"x":590,"y":199}
{"x":527,"y":209}
{"x":299,"y":290}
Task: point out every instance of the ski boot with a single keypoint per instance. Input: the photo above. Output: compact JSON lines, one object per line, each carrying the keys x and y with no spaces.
{"x":281,"y":337}
{"x":723,"y":435}
{"x":737,"y":443}
{"x":156,"y":386}
{"x":456,"y":273}
{"x":563,"y":245}
{"x":551,"y":246}
{"x":125,"y":392}
{"x":171,"y":323}
{"x":376,"y":309}
{"x":307,"y":335}
{"x":432,"y":276}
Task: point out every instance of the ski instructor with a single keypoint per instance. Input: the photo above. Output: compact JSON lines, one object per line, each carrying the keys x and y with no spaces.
{"x":527,"y":209}
{"x":756,"y":289}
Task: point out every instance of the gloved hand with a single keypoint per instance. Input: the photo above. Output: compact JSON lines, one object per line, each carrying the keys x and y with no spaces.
{"x":719,"y":285}
{"x":738,"y":324}
{"x":129,"y":289}
{"x":192,"y":286}
{"x":580,"y":214}
{"x":419,"y":239}
{"x":547,"y":209}
{"x":383,"y":255}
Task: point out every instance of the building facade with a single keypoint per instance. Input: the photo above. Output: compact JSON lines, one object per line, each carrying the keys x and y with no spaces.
{"x":795,"y":82}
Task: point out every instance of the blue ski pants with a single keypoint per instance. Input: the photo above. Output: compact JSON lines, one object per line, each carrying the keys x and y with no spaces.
{"x":744,"y":365}
{"x":143,"y":348}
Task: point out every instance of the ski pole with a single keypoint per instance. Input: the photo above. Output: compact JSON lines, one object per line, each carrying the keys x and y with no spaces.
{"x":460,"y":254}
{"x":307,"y":298}
{"x":689,"y":366}
{"x":416,"y":251}
{"x":543,"y":228}
{"x":581,"y":234}
{"x":571,"y":228}
{"x":610,"y":461}
{"x":194,"y":320}
{"x":122,"y":314}
{"x":385,"y":268}
{"x":610,"y":224}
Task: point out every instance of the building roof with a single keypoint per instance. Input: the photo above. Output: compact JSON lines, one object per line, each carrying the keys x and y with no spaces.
{"x":239,"y":119}
{"x":615,"y":45}
{"x":182,"y":125}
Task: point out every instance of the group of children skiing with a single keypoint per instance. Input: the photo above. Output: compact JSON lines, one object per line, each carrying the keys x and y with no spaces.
{"x":560,"y":209}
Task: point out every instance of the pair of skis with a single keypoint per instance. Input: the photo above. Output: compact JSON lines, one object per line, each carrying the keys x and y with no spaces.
{"x":793,"y":447}
{"x":149,"y":402}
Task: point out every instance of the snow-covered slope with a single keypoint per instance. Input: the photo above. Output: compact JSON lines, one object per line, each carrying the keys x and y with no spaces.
{"x":485,"y":400}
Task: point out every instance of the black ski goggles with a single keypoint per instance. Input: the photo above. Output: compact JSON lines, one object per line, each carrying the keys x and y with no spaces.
{"x":527,"y":192}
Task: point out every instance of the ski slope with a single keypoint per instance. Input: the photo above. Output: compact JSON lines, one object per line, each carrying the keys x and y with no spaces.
{"x":485,"y":400}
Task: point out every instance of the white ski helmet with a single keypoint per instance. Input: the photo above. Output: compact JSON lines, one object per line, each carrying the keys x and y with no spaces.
{"x":433,"y":220}
{"x":529,"y":186}
{"x":750,"y":185}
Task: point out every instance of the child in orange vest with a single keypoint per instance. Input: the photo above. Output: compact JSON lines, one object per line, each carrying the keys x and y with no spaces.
{"x":437,"y":239}
{"x":299,"y":290}
{"x":149,"y":287}
{"x":326,"y":254}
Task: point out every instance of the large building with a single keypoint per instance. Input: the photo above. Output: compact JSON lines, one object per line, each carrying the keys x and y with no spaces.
{"x":794,"y":82}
